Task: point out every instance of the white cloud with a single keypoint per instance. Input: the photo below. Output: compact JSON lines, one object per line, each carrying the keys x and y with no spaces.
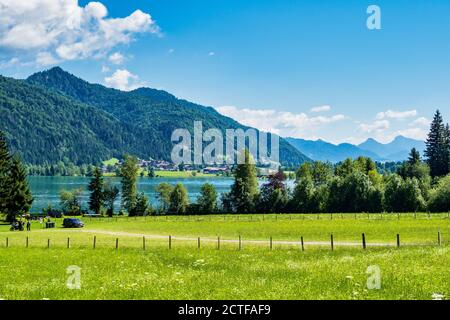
{"x":390,"y":114}
{"x":413,"y":133}
{"x":422,"y":121}
{"x":376,"y":126}
{"x":116,"y":58}
{"x":105,"y":69}
{"x":321,"y":109}
{"x":212,"y":53}
{"x":382,"y":131}
{"x":9,"y":63}
{"x":46,"y":59}
{"x":49,"y":31}
{"x":280,"y":122}
{"x":124,"y":80}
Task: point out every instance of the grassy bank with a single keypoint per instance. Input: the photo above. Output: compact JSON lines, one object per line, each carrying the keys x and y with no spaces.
{"x":413,"y":228}
{"x":182,"y":273}
{"x":416,"y":270}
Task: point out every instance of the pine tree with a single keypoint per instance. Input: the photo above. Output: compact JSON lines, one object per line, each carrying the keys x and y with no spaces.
{"x":5,"y":163}
{"x":96,"y":198}
{"x":414,"y":157}
{"x":447,"y":132}
{"x":19,"y":199}
{"x":244,"y":192}
{"x":437,"y":150}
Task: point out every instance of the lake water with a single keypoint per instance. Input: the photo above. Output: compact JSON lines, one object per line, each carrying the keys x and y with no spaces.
{"x":46,"y":189}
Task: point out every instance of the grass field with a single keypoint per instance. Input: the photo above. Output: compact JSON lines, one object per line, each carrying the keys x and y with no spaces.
{"x":418,"y":269}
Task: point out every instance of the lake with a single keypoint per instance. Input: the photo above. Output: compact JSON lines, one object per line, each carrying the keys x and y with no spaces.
{"x":46,"y":189}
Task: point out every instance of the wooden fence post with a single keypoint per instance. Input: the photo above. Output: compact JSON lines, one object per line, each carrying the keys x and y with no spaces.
{"x":7,"y":242}
{"x":303,"y":246}
{"x":240,"y":242}
{"x":27,"y":243}
{"x":270,"y":241}
{"x":48,"y":243}
{"x":398,"y":240}
{"x":439,"y":237}
{"x":364,"y":241}
{"x":332,"y":242}
{"x":68,"y":243}
{"x":143,"y":243}
{"x":170,"y":242}
{"x":198,"y":243}
{"x":218,"y":243}
{"x":117,"y":243}
{"x":95,"y":242}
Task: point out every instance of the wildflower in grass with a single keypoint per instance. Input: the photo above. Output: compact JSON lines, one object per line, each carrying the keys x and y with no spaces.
{"x":199,"y":263}
{"x":437,"y":296}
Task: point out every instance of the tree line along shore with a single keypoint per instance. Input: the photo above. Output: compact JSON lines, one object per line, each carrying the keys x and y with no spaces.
{"x":350,"y":186}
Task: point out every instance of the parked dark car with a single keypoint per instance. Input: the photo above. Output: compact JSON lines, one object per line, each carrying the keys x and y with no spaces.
{"x":72,"y":223}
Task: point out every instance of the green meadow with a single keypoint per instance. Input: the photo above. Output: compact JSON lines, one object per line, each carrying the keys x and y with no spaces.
{"x":33,"y":265}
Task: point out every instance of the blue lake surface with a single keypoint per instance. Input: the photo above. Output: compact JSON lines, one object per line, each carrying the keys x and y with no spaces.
{"x":46,"y":189}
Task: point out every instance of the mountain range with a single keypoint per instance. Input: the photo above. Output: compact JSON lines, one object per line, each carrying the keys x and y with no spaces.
{"x":396,"y":150}
{"x":54,"y":115}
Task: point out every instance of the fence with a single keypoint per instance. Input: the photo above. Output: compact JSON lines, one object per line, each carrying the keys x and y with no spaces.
{"x":269,"y":217}
{"x":145,"y":243}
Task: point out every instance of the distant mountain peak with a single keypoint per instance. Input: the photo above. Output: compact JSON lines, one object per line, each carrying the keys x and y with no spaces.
{"x":96,"y":123}
{"x":396,"y":150}
{"x":369,"y":140}
{"x":54,"y":71}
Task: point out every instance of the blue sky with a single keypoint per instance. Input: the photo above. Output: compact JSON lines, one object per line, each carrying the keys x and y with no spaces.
{"x":309,"y":69}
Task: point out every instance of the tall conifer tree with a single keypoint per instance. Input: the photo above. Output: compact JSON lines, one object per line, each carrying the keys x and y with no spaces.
{"x":96,"y":198}
{"x":19,"y":198}
{"x":437,"y":150}
{"x":5,"y":163}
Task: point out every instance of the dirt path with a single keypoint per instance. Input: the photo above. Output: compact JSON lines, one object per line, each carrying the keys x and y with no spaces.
{"x":209,"y":239}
